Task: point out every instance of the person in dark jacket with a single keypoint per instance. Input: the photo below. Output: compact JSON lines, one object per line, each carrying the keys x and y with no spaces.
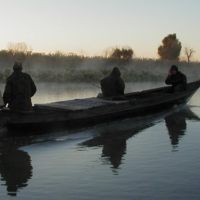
{"x":113,"y":85}
{"x":19,"y":89}
{"x":177,"y":79}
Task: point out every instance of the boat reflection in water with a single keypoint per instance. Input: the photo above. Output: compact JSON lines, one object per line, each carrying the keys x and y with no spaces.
{"x":176,"y":124}
{"x":113,"y":139}
{"x":15,"y":170}
{"x":15,"y":164}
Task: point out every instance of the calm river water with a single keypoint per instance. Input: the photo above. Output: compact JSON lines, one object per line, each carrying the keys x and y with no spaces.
{"x":155,"y":157}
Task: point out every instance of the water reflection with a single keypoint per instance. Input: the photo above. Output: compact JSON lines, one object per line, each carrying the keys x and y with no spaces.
{"x":177,"y":126}
{"x":113,"y":137}
{"x":113,"y":149}
{"x":15,"y":170}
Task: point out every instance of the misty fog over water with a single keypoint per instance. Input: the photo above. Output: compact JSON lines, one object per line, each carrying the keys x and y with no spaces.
{"x":59,"y":68}
{"x":49,"y":92}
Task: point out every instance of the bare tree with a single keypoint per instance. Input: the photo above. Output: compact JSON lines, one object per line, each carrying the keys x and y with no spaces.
{"x":21,"y":47}
{"x":188,"y":52}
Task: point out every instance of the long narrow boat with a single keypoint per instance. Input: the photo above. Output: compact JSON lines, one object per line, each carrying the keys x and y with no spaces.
{"x":90,"y":111}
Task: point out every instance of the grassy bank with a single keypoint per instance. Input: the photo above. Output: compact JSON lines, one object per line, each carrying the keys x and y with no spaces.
{"x":72,"y":68}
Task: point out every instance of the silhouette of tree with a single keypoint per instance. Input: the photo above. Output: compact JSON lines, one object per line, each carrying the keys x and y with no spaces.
{"x":116,"y":54}
{"x":127,"y":53}
{"x":188,"y":52}
{"x":170,"y":49}
{"x":124,"y":53}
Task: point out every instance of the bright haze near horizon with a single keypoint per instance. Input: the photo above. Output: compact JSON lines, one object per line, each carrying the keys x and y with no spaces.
{"x":89,"y":27}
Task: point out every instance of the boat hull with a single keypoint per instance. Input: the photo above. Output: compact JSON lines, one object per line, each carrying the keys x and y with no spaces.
{"x":92,"y":111}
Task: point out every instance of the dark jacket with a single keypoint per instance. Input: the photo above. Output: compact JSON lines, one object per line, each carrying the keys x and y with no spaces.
{"x":178,"y":81}
{"x":18,"y":91}
{"x":113,"y":85}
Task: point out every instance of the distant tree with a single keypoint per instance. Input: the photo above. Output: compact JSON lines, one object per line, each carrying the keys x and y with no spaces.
{"x":188,"y":52}
{"x":116,"y":53}
{"x":125,"y":53}
{"x":170,"y":49}
{"x":17,"y":48}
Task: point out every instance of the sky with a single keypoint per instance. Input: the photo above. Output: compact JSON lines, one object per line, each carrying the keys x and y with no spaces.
{"x":89,"y":27}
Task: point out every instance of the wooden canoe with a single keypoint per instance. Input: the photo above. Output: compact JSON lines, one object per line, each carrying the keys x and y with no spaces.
{"x":79,"y":113}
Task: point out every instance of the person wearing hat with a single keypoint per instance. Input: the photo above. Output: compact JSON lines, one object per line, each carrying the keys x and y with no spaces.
{"x":19,"y":89}
{"x":177,"y":79}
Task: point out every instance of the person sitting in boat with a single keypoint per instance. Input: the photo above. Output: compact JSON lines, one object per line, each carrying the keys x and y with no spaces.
{"x":113,"y":85}
{"x":19,"y":89}
{"x":177,"y":79}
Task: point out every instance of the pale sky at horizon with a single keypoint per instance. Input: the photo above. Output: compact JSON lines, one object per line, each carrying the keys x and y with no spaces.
{"x":91,"y":26}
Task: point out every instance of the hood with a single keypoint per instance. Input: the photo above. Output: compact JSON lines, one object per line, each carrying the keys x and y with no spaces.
{"x":115,"y":72}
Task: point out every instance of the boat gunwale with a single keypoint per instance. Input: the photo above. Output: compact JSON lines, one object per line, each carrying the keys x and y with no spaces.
{"x":120,"y":109}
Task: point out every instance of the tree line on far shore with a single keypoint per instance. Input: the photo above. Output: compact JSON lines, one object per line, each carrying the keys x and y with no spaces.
{"x":170,"y":50}
{"x":61,"y":67}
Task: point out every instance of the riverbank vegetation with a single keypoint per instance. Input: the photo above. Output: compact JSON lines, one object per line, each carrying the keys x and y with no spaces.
{"x":61,"y":67}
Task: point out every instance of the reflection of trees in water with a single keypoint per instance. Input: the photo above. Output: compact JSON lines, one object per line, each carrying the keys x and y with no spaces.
{"x":15,"y":170}
{"x":176,"y":124}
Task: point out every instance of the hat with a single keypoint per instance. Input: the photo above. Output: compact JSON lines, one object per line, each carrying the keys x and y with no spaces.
{"x":17,"y":66}
{"x":174,"y":67}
